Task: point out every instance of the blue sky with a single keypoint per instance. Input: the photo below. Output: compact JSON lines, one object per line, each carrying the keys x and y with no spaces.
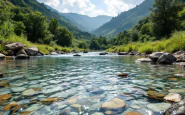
{"x":92,"y":7}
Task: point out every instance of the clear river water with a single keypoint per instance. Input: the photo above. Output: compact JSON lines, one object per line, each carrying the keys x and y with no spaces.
{"x":83,"y":85}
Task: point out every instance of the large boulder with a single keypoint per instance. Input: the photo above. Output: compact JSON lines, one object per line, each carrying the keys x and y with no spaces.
{"x":155,"y":56}
{"x":167,"y":58}
{"x":15,"y":46}
{"x":177,"y":108}
{"x":2,"y":56}
{"x":32,"y":51}
{"x":21,"y":54}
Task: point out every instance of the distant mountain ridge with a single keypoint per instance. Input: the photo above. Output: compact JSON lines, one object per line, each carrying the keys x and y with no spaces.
{"x":84,"y":22}
{"x":87,"y":23}
{"x":126,"y":20}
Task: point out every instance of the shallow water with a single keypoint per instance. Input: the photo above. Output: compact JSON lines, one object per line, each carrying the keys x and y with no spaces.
{"x":89,"y":81}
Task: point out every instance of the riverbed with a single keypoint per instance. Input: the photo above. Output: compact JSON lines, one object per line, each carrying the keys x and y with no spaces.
{"x":82,"y":85}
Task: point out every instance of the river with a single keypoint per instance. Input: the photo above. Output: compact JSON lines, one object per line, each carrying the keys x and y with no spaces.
{"x":83,"y":85}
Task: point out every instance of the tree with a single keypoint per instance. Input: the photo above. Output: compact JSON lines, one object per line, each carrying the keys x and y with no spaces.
{"x":134,"y":35}
{"x":19,"y":28}
{"x":64,"y":37}
{"x":36,"y":27}
{"x":94,"y":45}
{"x":83,"y":45}
{"x":165,"y":16}
{"x":53,"y":26}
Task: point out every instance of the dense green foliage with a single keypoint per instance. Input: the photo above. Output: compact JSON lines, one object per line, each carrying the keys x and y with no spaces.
{"x":125,"y":20}
{"x":100,"y":43}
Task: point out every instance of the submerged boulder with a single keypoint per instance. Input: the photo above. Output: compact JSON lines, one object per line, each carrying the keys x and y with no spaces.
{"x":155,"y":56}
{"x":15,"y":46}
{"x":113,"y":104}
{"x":32,"y":51}
{"x":166,"y":58}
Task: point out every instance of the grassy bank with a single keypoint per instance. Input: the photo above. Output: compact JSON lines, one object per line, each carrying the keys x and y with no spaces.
{"x":42,"y":47}
{"x":175,"y":43}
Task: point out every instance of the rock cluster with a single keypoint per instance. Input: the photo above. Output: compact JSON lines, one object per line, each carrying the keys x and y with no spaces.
{"x":20,"y":51}
{"x":159,"y":57}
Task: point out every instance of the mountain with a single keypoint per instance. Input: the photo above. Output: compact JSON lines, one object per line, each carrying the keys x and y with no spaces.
{"x":87,"y":23}
{"x":34,"y":5}
{"x":126,"y":20}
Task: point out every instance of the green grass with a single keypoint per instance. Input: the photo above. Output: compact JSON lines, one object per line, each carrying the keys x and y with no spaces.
{"x":42,"y":47}
{"x":173,"y":44}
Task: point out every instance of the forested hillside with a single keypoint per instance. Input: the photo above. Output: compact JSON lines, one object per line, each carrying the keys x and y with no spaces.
{"x":20,"y":23}
{"x":125,"y":20}
{"x":163,"y":30}
{"x":36,"y":6}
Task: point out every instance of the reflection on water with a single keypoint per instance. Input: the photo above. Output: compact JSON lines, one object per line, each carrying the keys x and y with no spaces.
{"x":82,"y":85}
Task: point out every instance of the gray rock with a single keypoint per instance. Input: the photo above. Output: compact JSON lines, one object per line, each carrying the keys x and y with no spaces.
{"x":40,"y":54}
{"x":155,"y":56}
{"x":144,"y":60}
{"x":21,"y":54}
{"x":2,"y":56}
{"x":123,"y":53}
{"x":15,"y":46}
{"x":32,"y":51}
{"x":22,"y":51}
{"x":53,"y":53}
{"x":166,"y":58}
{"x":10,"y":53}
{"x":176,"y":109}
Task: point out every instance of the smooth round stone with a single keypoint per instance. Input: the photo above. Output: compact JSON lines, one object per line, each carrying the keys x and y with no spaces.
{"x":159,"y":106}
{"x":29,"y":92}
{"x":173,"y":97}
{"x":135,"y":106}
{"x":177,"y":90}
{"x":18,"y":89}
{"x":114,"y":104}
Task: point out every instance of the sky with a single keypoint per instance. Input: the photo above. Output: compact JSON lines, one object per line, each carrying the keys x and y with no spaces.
{"x":92,"y":8}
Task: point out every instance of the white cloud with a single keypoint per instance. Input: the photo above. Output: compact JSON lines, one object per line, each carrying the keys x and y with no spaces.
{"x":117,"y":6}
{"x":86,"y":7}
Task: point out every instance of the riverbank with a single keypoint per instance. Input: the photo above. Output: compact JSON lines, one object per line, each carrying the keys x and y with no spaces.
{"x":171,"y":45}
{"x":22,"y":43}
